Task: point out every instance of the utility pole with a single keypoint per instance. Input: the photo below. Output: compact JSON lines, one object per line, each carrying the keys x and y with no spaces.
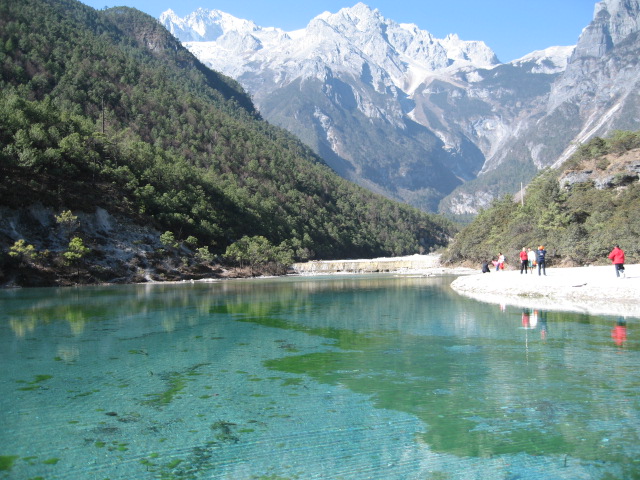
{"x":103,"y":115}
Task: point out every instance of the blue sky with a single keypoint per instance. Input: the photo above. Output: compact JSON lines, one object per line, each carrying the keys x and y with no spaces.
{"x":512,"y":28}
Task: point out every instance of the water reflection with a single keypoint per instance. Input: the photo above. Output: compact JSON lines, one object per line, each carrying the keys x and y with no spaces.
{"x":68,"y":353}
{"x":619,"y":332}
{"x":169,"y":302}
{"x":543,"y":325}
{"x":533,"y":319}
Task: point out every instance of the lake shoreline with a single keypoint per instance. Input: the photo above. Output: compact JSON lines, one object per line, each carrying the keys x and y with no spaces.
{"x":591,"y":290}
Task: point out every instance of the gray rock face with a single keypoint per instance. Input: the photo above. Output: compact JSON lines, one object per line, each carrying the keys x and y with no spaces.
{"x":117,"y":245}
{"x":596,"y":94}
{"x":576,"y":177}
{"x":617,"y":170}
{"x":634,"y":168}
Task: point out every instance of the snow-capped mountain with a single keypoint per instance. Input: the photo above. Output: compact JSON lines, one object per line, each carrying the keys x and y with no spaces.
{"x":344,"y":85}
{"x":549,"y":61}
{"x":204,"y":25}
{"x":412,"y":116}
{"x":345,"y":42}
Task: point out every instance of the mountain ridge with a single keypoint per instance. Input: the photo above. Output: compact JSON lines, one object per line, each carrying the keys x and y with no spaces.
{"x":479,"y":113}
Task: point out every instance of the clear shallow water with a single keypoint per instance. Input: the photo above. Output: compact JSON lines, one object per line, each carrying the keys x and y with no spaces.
{"x":329,"y":378}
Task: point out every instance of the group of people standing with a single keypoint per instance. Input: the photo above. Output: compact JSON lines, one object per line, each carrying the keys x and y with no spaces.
{"x":530,"y":258}
{"x":528,"y":261}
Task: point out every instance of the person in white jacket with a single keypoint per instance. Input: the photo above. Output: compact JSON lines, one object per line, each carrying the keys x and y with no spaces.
{"x":531,"y":254}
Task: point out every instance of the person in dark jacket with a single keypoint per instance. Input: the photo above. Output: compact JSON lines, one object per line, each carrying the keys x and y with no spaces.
{"x":617,"y":257}
{"x":485,"y":267}
{"x":540,"y":258}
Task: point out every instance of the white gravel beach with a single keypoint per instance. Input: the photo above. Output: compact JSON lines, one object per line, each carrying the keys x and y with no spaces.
{"x":593,"y":290}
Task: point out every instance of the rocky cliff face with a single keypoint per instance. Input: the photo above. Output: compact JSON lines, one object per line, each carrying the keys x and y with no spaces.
{"x":120,"y":251}
{"x":596,"y":93}
{"x":601,"y":80}
{"x":418,"y":118}
{"x":611,"y":171}
{"x":613,"y":22}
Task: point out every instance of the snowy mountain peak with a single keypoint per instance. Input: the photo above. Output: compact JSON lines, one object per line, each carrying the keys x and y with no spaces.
{"x":400,"y":111}
{"x":204,"y":25}
{"x":550,"y":60}
{"x":360,"y":16}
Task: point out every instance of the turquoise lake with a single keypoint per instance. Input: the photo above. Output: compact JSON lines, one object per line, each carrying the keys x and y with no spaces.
{"x":347,"y":377}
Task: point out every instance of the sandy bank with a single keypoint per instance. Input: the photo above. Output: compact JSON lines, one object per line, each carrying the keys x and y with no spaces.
{"x":594,"y":290}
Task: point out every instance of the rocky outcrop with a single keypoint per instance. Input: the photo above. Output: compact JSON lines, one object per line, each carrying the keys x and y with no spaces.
{"x":120,"y":250}
{"x":611,"y":171}
{"x":613,"y":22}
{"x":117,"y":238}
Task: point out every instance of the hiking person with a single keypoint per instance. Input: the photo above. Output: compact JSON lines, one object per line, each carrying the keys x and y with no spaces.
{"x":617,"y":257}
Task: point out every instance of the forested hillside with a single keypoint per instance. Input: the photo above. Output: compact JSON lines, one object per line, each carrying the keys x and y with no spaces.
{"x":105,"y":109}
{"x":578,"y":212}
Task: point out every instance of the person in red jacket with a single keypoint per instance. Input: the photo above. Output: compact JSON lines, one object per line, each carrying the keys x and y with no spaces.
{"x":524,"y":260}
{"x":617,"y":257}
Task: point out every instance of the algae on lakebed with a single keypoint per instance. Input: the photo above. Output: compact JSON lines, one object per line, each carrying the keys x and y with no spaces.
{"x":446,"y":382}
{"x":35,"y":383}
{"x":176,"y":382}
{"x":7,"y":461}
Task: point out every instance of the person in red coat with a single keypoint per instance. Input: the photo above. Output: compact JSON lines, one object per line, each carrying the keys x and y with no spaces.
{"x":617,"y":257}
{"x":524,"y":260}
